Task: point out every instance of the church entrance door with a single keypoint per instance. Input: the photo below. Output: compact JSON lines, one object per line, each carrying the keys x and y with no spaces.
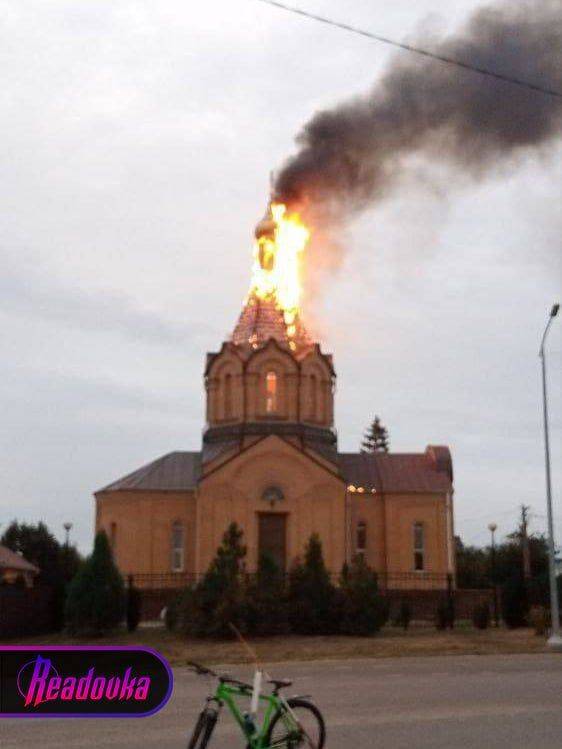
{"x":272,"y":537}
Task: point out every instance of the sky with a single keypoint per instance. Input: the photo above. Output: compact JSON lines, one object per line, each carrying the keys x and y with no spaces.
{"x":138,"y":140}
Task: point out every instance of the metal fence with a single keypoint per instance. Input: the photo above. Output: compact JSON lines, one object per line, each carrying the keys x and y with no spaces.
{"x":387,"y":580}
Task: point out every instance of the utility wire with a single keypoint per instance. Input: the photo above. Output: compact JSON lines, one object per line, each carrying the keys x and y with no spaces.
{"x":416,"y":50}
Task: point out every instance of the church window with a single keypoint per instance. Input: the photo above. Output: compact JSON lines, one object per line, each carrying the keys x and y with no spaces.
{"x":113,"y":536}
{"x":361,"y":539}
{"x":228,"y":396}
{"x":271,"y":392}
{"x":313,"y":397}
{"x":419,"y":547}
{"x":177,"y":547}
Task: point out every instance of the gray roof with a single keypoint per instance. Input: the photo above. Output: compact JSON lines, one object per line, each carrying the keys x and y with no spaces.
{"x":430,"y":471}
{"x":174,"y":472}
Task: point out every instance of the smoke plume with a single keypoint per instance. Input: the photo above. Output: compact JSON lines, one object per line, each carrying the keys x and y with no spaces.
{"x":353,"y":154}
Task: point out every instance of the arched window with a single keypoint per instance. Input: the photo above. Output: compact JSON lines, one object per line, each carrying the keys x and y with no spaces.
{"x":419,"y":547}
{"x":113,"y":536}
{"x":271,"y":392}
{"x":177,"y":547}
{"x":228,"y":396}
{"x":313,"y":397}
{"x":361,"y":539}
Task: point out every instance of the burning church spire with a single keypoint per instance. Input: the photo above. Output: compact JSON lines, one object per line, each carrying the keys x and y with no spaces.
{"x":272,"y":307}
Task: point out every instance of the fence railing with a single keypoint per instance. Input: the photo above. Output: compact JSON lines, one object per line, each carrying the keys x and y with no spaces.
{"x":386,"y":580}
{"x":415,"y":581}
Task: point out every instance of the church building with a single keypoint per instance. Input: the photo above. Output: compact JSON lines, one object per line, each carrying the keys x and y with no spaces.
{"x":269,"y":460}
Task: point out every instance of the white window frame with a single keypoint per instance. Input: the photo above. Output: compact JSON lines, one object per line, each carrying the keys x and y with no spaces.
{"x":361,"y":529}
{"x":178,"y":549}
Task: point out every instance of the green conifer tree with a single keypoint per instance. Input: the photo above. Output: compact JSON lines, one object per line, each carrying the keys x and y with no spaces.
{"x":376,"y":438}
{"x":266,"y":605}
{"x":362,"y":608}
{"x":311,"y":593}
{"x":218,"y":600}
{"x":96,"y":596}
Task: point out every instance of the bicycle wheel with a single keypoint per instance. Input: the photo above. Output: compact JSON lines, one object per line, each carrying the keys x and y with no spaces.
{"x":203,"y":729}
{"x":308,"y":733}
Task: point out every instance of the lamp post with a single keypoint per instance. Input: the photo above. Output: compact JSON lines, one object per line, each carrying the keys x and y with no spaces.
{"x":67,"y":528}
{"x":493,"y":528}
{"x":555,"y":640}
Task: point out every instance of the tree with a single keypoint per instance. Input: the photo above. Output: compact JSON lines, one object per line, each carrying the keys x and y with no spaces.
{"x":375,"y":439}
{"x":218,"y":600}
{"x":473,"y":566}
{"x":96,"y":596}
{"x":515,"y":602}
{"x":362,"y":609}
{"x":57,"y":563}
{"x":40,"y":547}
{"x":311,"y":594}
{"x":266,"y":602}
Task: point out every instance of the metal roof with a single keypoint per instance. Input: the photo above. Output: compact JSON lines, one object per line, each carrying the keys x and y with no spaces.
{"x":430,"y":471}
{"x":177,"y":471}
{"x":399,"y":472}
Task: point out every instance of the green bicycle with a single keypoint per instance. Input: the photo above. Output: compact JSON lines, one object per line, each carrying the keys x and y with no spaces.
{"x":286,"y":724}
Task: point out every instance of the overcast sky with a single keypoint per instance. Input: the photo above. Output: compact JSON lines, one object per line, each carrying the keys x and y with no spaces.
{"x":137,"y":141}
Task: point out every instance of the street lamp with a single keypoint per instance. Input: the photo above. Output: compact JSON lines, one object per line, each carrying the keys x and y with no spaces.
{"x":67,"y":528}
{"x":555,"y":640}
{"x":493,"y":528}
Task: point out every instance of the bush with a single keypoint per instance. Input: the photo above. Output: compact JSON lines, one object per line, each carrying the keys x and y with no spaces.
{"x":266,"y":607}
{"x":515,"y":606}
{"x":362,"y":609}
{"x":539,"y":619}
{"x":404,"y":615}
{"x":445,"y":614}
{"x":179,"y":611}
{"x":133,"y":606}
{"x":481,"y":616}
{"x":312,"y":596}
{"x":96,"y":596}
{"x":219,"y":599}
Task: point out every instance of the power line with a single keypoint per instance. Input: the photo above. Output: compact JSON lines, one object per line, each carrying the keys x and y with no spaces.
{"x":415,"y":50}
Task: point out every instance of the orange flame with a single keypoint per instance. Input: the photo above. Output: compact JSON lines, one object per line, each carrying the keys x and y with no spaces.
{"x":276,"y":270}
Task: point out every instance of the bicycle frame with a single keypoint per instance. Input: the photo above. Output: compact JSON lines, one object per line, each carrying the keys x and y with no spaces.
{"x":226,"y":695}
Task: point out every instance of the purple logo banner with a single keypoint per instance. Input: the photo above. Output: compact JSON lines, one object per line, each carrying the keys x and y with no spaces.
{"x":82,"y":681}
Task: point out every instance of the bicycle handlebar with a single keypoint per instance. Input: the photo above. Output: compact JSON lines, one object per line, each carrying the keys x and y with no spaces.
{"x":204,"y":671}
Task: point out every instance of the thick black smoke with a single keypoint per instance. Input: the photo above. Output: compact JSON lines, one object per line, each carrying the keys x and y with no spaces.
{"x":353,"y":154}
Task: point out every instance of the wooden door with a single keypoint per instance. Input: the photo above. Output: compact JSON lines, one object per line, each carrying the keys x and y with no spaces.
{"x":272,"y":537}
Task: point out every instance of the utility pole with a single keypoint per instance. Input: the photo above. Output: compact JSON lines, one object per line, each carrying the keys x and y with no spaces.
{"x":525,"y":542}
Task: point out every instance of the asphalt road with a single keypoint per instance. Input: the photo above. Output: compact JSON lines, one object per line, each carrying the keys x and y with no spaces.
{"x":412,"y":703}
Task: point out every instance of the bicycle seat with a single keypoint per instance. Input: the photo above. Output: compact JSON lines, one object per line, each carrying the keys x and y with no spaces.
{"x":280,"y":683}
